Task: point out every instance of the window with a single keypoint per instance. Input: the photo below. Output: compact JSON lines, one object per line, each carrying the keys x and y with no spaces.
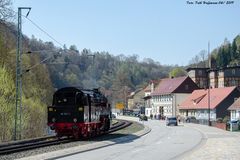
{"x":233,"y":114}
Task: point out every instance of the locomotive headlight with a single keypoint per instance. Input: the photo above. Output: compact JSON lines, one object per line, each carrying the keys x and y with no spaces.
{"x":50,"y":109}
{"x":75,"y":120}
{"x":53,"y":119}
{"x":80,"y":109}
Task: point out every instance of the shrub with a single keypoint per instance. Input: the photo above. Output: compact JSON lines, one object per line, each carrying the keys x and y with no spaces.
{"x":219,"y":120}
{"x":226,"y":119}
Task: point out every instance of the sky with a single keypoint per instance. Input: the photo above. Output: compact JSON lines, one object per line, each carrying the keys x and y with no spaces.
{"x":171,"y":32}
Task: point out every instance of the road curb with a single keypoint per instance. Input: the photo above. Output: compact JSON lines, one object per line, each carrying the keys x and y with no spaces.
{"x":88,"y":147}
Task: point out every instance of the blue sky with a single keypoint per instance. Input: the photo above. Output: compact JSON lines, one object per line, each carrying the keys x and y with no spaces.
{"x":168,"y":31}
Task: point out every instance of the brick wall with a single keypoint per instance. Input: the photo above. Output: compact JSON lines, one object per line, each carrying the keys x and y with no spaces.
{"x":220,"y":125}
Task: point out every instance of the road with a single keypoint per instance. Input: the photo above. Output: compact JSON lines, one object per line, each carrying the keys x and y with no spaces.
{"x":161,"y":143}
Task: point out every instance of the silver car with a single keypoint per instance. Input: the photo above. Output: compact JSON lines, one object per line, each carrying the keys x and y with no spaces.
{"x":171,"y":121}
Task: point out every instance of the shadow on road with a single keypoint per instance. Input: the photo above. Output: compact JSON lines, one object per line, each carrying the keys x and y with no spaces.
{"x":107,"y":140}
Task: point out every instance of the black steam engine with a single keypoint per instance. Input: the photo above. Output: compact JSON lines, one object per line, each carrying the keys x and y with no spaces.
{"x":79,"y":113}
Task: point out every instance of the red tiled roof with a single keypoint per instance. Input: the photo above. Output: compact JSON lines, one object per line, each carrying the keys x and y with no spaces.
{"x":148,"y":87}
{"x":168,"y":85}
{"x":199,"y":98}
{"x":235,"y":105}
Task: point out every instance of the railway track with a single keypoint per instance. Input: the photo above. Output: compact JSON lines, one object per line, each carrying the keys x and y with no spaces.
{"x":13,"y":147}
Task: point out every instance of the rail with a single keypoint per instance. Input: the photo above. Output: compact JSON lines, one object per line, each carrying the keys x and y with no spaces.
{"x":13,"y":147}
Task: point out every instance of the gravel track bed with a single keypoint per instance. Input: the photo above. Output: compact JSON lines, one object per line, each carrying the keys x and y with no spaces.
{"x":135,"y":127}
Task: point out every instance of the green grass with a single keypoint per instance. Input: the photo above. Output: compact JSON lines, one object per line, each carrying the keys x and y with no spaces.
{"x":133,"y":128}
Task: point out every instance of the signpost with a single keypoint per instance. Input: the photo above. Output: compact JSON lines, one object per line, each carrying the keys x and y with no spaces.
{"x":119,"y":106}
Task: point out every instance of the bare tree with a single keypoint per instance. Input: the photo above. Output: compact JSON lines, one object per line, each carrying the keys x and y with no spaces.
{"x":200,"y":59}
{"x":6,"y":11}
{"x":203,"y":57}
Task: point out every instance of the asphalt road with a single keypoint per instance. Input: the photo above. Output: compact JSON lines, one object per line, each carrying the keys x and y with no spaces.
{"x":163,"y":142}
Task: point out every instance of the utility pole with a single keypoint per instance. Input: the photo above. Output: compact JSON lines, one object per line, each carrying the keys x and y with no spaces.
{"x":209,"y":84}
{"x":18,"y":107}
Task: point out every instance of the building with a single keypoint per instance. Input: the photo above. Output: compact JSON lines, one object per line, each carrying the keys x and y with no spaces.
{"x":215,"y":100}
{"x":169,"y":94}
{"x":213,"y":78}
{"x":135,"y":99}
{"x":229,"y":76}
{"x":199,"y":76}
{"x":235,"y":110}
{"x":147,"y":97}
{"x":223,"y":77}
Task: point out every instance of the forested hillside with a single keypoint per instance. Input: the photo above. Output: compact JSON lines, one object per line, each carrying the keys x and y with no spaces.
{"x":37,"y":87}
{"x":227,"y":54}
{"x":116,"y":76}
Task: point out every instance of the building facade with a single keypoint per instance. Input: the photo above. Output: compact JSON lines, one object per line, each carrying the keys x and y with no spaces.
{"x":223,"y":77}
{"x":135,"y":99}
{"x":215,"y":100}
{"x":235,"y":110}
{"x":169,"y":94}
{"x":199,"y":76}
{"x":229,"y":76}
{"x":147,"y":97}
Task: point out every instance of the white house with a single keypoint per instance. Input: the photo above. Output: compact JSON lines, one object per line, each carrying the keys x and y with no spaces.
{"x":147,"y":97}
{"x":169,"y":94}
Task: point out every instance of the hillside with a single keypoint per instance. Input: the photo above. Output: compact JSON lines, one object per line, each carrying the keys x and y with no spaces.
{"x":227,"y":54}
{"x":36,"y":84}
{"x":116,"y":76}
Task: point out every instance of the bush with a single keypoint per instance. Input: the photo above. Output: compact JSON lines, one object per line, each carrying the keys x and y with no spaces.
{"x":219,"y":120}
{"x":226,"y":119}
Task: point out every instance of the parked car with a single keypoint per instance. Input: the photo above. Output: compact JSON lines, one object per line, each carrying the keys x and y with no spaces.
{"x":171,"y":121}
{"x":113,"y":116}
{"x":191,"y":119}
{"x":233,"y":122}
{"x":136,"y":114}
{"x":143,"y":117}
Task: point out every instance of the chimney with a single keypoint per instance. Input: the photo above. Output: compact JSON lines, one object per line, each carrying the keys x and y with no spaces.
{"x":152,"y":87}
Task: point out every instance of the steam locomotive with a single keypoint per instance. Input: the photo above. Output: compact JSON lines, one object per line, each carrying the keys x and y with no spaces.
{"x":79,"y":113}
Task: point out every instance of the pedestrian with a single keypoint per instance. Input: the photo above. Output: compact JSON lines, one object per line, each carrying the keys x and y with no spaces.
{"x":179,"y":120}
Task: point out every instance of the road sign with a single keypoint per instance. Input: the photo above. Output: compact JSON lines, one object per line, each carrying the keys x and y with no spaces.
{"x":119,"y":105}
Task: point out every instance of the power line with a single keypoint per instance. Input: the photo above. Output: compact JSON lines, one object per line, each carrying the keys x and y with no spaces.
{"x":61,"y":45}
{"x":43,"y":31}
